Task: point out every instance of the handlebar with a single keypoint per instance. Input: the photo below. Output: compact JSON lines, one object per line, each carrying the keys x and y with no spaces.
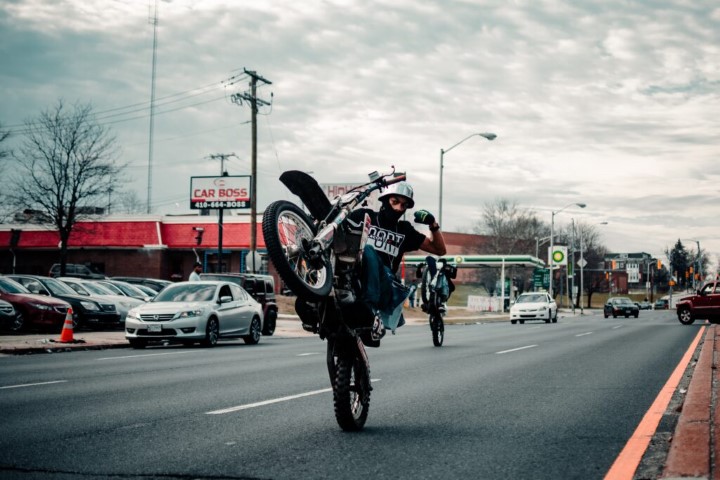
{"x":399,"y":178}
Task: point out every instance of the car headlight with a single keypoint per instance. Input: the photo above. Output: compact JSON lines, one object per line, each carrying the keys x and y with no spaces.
{"x":90,"y":306}
{"x":132,"y":315}
{"x":40,"y":306}
{"x":189,"y":313}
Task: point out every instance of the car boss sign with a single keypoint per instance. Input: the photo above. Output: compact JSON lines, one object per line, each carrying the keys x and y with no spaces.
{"x":220,"y":192}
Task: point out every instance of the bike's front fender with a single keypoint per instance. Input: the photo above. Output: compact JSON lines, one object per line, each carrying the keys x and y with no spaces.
{"x":309,"y":191}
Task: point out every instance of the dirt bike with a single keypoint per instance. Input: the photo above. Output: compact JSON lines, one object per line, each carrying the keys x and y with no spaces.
{"x":319,"y":259}
{"x":435,"y":291}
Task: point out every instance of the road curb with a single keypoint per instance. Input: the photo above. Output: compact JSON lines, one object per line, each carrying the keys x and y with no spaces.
{"x":691,"y":447}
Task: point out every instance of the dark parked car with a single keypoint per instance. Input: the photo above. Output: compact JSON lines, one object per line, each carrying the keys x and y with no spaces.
{"x":260,"y":287}
{"x":644,"y":305}
{"x":620,"y":306}
{"x":154,"y":283}
{"x":662,"y":303}
{"x":39,"y":311}
{"x":76,"y":270}
{"x":86,"y":312}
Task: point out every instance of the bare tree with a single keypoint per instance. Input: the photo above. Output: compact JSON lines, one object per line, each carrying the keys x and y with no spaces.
{"x":66,"y":165}
{"x":510,"y":230}
{"x":5,"y":210}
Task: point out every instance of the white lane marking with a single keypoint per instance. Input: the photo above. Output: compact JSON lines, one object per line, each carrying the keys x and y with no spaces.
{"x":307,"y":354}
{"x":148,"y":355}
{"x":583,"y":334}
{"x":618,"y":326}
{"x":516,"y":349}
{"x":271,"y":401}
{"x":33,"y":384}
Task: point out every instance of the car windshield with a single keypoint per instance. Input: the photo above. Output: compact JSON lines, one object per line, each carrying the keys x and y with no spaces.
{"x":189,"y":292}
{"x":11,"y":286}
{"x":77,"y":287}
{"x":129,"y":289}
{"x":58,"y":288}
{"x":622,"y":301}
{"x":113,"y":288}
{"x":97,"y":289}
{"x":531,"y":298}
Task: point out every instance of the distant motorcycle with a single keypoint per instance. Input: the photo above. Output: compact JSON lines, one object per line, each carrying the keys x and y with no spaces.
{"x":319,"y":259}
{"x":436,"y":289}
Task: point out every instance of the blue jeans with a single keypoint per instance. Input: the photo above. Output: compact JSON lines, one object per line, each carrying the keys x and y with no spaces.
{"x":380,"y":289}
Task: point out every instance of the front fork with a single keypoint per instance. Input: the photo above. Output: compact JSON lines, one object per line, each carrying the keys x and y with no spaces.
{"x":352,"y":346}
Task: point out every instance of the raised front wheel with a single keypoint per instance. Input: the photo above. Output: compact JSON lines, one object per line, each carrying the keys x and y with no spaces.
{"x":284,"y":227}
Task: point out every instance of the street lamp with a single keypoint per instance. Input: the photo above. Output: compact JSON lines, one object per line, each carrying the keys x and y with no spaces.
{"x":582,"y":267}
{"x":489,"y":136}
{"x":552,"y":246}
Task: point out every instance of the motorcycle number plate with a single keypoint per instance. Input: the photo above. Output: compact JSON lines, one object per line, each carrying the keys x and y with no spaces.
{"x":154,"y":327}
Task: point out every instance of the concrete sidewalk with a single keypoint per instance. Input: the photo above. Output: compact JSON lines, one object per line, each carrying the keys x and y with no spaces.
{"x":693,"y":445}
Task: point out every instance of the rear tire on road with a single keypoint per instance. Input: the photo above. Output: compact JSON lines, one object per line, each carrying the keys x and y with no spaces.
{"x":270,"y":322}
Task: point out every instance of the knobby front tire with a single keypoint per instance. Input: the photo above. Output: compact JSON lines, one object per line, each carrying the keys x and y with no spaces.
{"x":284,"y":227}
{"x":351,"y":392}
{"x":437,"y":325}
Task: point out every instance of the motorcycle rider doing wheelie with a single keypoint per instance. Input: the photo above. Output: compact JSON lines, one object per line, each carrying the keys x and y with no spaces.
{"x":388,"y":240}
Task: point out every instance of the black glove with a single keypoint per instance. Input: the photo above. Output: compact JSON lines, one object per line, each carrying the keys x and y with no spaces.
{"x":424,"y":217}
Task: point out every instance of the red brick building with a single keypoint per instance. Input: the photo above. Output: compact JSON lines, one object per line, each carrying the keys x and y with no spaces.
{"x":154,"y":246}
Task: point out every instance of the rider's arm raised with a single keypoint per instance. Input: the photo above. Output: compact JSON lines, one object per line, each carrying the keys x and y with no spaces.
{"x":434,"y":244}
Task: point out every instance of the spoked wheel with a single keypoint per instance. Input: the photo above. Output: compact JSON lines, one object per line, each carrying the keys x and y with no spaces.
{"x":18,"y":323}
{"x":212,"y":333}
{"x":437,"y":325}
{"x":284,"y":227}
{"x":351,"y":390}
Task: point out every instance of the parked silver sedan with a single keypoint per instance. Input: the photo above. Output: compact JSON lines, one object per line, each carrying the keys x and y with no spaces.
{"x":189,"y":312}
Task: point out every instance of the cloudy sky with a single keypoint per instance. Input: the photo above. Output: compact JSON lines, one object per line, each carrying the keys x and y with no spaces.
{"x":613,"y":103}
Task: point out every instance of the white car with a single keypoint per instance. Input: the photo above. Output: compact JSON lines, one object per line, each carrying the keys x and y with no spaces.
{"x":533,"y":306}
{"x":189,"y":312}
{"x":91,"y":289}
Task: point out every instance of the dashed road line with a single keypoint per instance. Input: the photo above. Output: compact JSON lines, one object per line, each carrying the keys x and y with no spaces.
{"x":32,"y":384}
{"x":515,"y":349}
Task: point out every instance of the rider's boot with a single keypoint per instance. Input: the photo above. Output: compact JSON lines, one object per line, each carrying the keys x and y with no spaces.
{"x":378,"y":329}
{"x":309,"y":315}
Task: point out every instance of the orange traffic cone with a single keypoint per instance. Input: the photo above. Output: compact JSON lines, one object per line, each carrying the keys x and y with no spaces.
{"x":66,"y":336}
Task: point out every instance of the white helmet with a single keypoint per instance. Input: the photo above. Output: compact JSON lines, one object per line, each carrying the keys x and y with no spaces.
{"x":400,"y":189}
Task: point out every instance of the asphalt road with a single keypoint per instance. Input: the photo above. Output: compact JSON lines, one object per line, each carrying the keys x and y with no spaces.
{"x":497,"y":401}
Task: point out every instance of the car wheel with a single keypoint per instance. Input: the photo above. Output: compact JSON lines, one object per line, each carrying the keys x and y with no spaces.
{"x":522,"y":322}
{"x":18,"y":323}
{"x":605,"y":314}
{"x":254,"y":336}
{"x":212,"y":332}
{"x":685,"y":316}
{"x":637,"y":315}
{"x":627,"y":315}
{"x":614,"y":315}
{"x":269,"y":324}
{"x":137,"y":344}
{"x":513,"y":322}
{"x":554,"y":319}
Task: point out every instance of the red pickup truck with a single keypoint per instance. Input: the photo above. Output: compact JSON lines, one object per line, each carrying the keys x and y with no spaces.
{"x":705,"y":305}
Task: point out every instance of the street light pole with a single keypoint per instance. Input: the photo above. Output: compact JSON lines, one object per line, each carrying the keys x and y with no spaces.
{"x":582,"y":267}
{"x":489,"y":136}
{"x":552,"y":242}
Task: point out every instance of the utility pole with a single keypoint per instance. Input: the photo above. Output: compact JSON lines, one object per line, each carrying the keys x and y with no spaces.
{"x":154,"y":22}
{"x":223,"y":173}
{"x":254,"y":102}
